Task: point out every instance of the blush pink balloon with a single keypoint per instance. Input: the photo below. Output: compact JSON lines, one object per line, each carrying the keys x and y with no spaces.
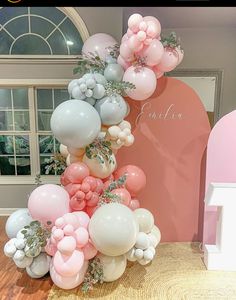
{"x":48,"y":202}
{"x":124,"y":64}
{"x":153,"y":53}
{"x":99,"y":187}
{"x":71,"y":219}
{"x":99,"y":43}
{"x":82,"y":217}
{"x":89,"y":251}
{"x":144,"y":80}
{"x":125,"y":38}
{"x":77,"y":204}
{"x":64,"y":181}
{"x":123,"y":194}
{"x":135,"y":178}
{"x":50,"y":248}
{"x":67,"y":245}
{"x":169,"y":60}
{"x":76,"y":172}
{"x":82,"y":237}
{"x":93,"y":200}
{"x":68,"y":265}
{"x":134,"y":21}
{"x":70,"y":282}
{"x":158,"y":73}
{"x":91,"y":181}
{"x":91,"y":210}
{"x":126,"y":53}
{"x":72,"y":188}
{"x":134,"y":204}
{"x":154,"y":22}
{"x":134,"y":43}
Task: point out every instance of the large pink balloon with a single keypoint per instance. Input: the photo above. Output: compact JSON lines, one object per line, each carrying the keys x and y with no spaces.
{"x":48,"y":202}
{"x":144,"y":80}
{"x":134,"y":204}
{"x":158,"y":73}
{"x":99,"y":43}
{"x":169,"y":60}
{"x":124,"y":64}
{"x":70,"y":282}
{"x":153,"y":53}
{"x":76,"y":172}
{"x":126,"y":53}
{"x":136,"y":178}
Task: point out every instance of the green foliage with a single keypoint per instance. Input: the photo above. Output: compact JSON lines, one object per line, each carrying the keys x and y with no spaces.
{"x":93,"y":275}
{"x":57,"y":163}
{"x":89,"y":64}
{"x":113,"y":88}
{"x":114,"y":51}
{"x":100,"y":149}
{"x":171,"y":41}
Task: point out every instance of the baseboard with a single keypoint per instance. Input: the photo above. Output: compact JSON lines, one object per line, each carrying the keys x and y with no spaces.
{"x":7,"y":211}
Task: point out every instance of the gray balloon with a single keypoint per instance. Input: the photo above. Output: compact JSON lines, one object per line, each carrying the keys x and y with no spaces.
{"x":100,"y":78}
{"x":114,"y":72}
{"x":98,"y":91}
{"x":91,"y":100}
{"x":112,"y":109}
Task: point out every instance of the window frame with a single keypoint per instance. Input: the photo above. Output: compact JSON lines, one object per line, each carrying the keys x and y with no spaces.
{"x":31,"y":84}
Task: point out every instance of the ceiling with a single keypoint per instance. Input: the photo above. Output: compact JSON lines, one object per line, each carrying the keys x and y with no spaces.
{"x":188,"y":17}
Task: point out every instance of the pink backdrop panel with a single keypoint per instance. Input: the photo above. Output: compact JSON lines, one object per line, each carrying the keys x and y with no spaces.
{"x":170,"y":139}
{"x":221,"y":166}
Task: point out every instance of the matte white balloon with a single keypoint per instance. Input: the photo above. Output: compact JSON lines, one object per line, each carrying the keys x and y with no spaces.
{"x":91,"y":101}
{"x":153,"y":240}
{"x":112,"y":109}
{"x":25,"y":262}
{"x":145,"y":219}
{"x":75,"y":123}
{"x":20,"y":244}
{"x":139,"y":253}
{"x":142,"y":241}
{"x":98,"y":91}
{"x":17,"y":221}
{"x":40,"y":265}
{"x":114,"y":72}
{"x":113,"y":229}
{"x":19,"y":255}
{"x":10,"y":248}
{"x":155,"y":231}
{"x":77,"y":94}
{"x":100,"y":78}
{"x":73,"y":83}
{"x":148,"y":255}
{"x":130,"y":255}
{"x":113,"y":266}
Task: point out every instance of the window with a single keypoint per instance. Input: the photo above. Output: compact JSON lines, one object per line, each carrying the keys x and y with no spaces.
{"x":26,"y":140}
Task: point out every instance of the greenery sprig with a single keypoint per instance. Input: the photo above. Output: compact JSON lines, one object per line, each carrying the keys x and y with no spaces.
{"x":171,"y":41}
{"x":89,"y":63}
{"x":36,"y":236}
{"x":113,"y":88}
{"x":57,"y":163}
{"x":93,"y":275}
{"x":114,"y":51}
{"x":100,"y":149}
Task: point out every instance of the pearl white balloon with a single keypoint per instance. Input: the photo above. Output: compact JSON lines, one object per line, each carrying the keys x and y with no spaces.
{"x":148,"y":255}
{"x":73,"y":83}
{"x":155,"y":231}
{"x":113,"y":266}
{"x":100,"y":78}
{"x":114,"y":72}
{"x":98,"y":91}
{"x":19,"y":255}
{"x":113,"y":229}
{"x":139,"y":253}
{"x":10,"y":248}
{"x":75,"y":123}
{"x":40,"y":266}
{"x":25,"y":262}
{"x":20,"y":244}
{"x":130,"y":255}
{"x":91,"y":101}
{"x":144,"y":262}
{"x":77,"y":94}
{"x":63,"y":150}
{"x":145,"y":219}
{"x":142,"y":241}
{"x":17,"y":221}
{"x":112,"y":109}
{"x":153,"y":240}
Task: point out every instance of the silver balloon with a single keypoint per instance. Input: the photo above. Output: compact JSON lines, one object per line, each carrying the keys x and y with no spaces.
{"x":112,"y":109}
{"x":114,"y":72}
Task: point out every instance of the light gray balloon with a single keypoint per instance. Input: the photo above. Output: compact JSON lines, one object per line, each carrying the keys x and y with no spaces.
{"x":72,"y":84}
{"x":83,"y":87}
{"x":88,"y":76}
{"x":40,"y":266}
{"x":91,"y":101}
{"x":114,"y":72}
{"x":100,"y":78}
{"x":110,"y":60}
{"x":91,"y":83}
{"x":77,"y":94}
{"x":112,"y":109}
{"x":98,"y":91}
{"x":81,"y":80}
{"x":89,"y":93}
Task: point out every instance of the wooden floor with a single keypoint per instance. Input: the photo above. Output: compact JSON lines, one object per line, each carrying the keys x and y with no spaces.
{"x":16,"y":284}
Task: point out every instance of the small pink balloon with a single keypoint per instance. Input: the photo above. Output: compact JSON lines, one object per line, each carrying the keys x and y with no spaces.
{"x":144,"y":80}
{"x":134,"y":204}
{"x":68,"y":229}
{"x":134,"y":42}
{"x":64,"y":181}
{"x":147,"y":42}
{"x":59,"y":223}
{"x":77,"y":204}
{"x":125,"y":51}
{"x":72,"y":220}
{"x":143,"y":26}
{"x":91,"y":210}
{"x":94,"y":200}
{"x":88,"y":196}
{"x":125,"y":65}
{"x":99,"y":188}
{"x":85,"y":187}
{"x":134,"y":21}
{"x":82,"y":237}
{"x":70,"y":282}
{"x":50,"y":248}
{"x":129,"y":33}
{"x":154,"y":22}
{"x":141,"y":35}
{"x":58,"y":234}
{"x":123,"y":194}
{"x":48,"y":202}
{"x":135,"y":178}
{"x":169,"y":60}
{"x":83,"y":218}
{"x":91,"y":181}
{"x":153,"y":53}
{"x":68,"y":265}
{"x":158,"y":73}
{"x":76,"y":172}
{"x":125,"y":38}
{"x":152,"y":30}
{"x":72,"y":188}
{"x":89,"y":251}
{"x":67,"y":245}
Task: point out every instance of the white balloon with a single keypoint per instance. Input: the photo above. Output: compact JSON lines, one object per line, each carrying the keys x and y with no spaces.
{"x":142,"y":241}
{"x":19,"y":255}
{"x":144,"y":261}
{"x":40,"y":266}
{"x":77,"y":94}
{"x":63,"y":150}
{"x":10,"y":248}
{"x":155,"y":231}
{"x":139,"y":253}
{"x":130,"y":255}
{"x":73,"y":83}
{"x":113,"y":266}
{"x":148,"y":255}
{"x":98,"y":91}
{"x":113,"y":229}
{"x":91,"y":101}
{"x":17,"y":221}
{"x":145,"y":219}
{"x":20,"y":244}
{"x":100,"y":78}
{"x":25,"y":262}
{"x":75,"y":123}
{"x":153,"y":239}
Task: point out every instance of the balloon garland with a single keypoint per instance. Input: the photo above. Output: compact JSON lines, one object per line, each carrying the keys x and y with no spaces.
{"x":84,"y":231}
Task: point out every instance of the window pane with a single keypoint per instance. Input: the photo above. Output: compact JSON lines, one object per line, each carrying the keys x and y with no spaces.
{"x":20,"y":99}
{"x":17,"y":26}
{"x":22,"y":144}
{"x":7,"y":165}
{"x":44,"y":120}
{"x":46,"y":144}
{"x":44,"y":164}
{"x":51,"y":13}
{"x":6,"y":144}
{"x":44,"y":99}
{"x":41,"y":26}
{"x":60,"y":96}
{"x":5,"y":99}
{"x":21,"y":120}
{"x":8,"y":13}
{"x":23,"y":165}
{"x":6,"y":121}
{"x":58,"y":43}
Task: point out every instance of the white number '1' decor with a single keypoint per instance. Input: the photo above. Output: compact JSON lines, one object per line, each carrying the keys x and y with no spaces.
{"x":222,"y":256}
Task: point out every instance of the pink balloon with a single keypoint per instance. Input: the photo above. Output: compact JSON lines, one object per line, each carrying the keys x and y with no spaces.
{"x":70,"y":282}
{"x":76,"y":203}
{"x":136,"y":178}
{"x":134,"y":21}
{"x":76,"y":172}
{"x":125,"y":38}
{"x":93,"y":200}
{"x":99,"y":187}
{"x":125,"y":65}
{"x":91,"y":209}
{"x":144,"y":80}
{"x":169,"y":60}
{"x":99,"y":43}
{"x":72,"y":220}
{"x":48,"y":202}
{"x":134,"y":204}
{"x":82,"y":237}
{"x":91,"y":181}
{"x":82,"y":217}
{"x":89,"y":251}
{"x":68,"y":265}
{"x":126,"y":53}
{"x":134,"y":43}
{"x":72,"y":188}
{"x":158,"y":73}
{"x":152,"y":20}
{"x":50,"y":248}
{"x":63,"y":180}
{"x":67,"y":245}
{"x":123,"y":194}
{"x":153,"y":53}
